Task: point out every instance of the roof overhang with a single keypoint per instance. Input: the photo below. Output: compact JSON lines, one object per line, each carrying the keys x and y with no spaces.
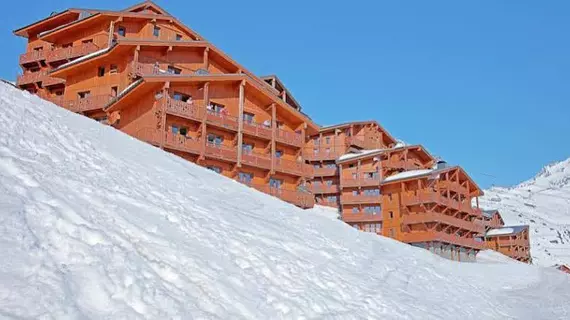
{"x":386,"y":134}
{"x":57,"y":19}
{"x":417,"y":148}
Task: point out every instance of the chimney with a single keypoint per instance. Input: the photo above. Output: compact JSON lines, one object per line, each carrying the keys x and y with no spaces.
{"x":441,"y":165}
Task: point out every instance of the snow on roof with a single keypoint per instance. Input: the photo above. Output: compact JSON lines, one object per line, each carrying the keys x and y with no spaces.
{"x":355,"y":155}
{"x":408,"y":174}
{"x":506,"y":231}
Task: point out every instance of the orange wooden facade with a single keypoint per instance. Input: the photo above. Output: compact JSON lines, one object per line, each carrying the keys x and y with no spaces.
{"x":512,"y":241}
{"x":323,"y":149}
{"x":145,"y":73}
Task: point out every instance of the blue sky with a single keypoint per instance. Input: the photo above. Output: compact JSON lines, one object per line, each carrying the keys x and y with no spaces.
{"x":483,"y":84}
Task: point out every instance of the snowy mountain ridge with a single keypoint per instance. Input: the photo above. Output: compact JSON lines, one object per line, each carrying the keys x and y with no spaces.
{"x":96,"y":224}
{"x":543,"y":203}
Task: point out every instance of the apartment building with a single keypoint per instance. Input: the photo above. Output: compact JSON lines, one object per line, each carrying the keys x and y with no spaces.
{"x":148,"y":75}
{"x":512,"y":241}
{"x":324,"y":148}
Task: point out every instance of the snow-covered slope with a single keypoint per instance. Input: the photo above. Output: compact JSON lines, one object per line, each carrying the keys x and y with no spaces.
{"x":543,"y":203}
{"x":95,"y":224}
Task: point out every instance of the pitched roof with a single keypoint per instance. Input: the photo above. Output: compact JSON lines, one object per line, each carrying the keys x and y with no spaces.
{"x":144,"y":5}
{"x":506,"y":231}
{"x":366,"y":153}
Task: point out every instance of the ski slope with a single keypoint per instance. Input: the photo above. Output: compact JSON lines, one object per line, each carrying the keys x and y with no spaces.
{"x":543,"y":203}
{"x":96,"y":224}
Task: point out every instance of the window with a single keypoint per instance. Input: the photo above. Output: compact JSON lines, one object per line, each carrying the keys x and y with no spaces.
{"x":328,"y":139}
{"x":275,"y":183}
{"x":101,"y":71}
{"x":215,"y":169}
{"x":279,"y":154}
{"x":175,"y":129}
{"x":113,"y":69}
{"x":316,"y":141}
{"x":354,"y":210}
{"x":354,"y":192}
{"x":178,"y":37}
{"x":183,"y":131}
{"x":315,"y":151}
{"x":316,"y":166}
{"x":87,"y":41}
{"x":173,"y":70}
{"x":215,"y":140}
{"x":354,"y":175}
{"x":279,"y":124}
{"x":390,"y":197}
{"x":38,"y":49}
{"x":351,"y":165}
{"x":331,"y":198}
{"x":67,"y":45}
{"x":181,"y":96}
{"x":329,"y":183}
{"x":114,"y":91}
{"x":84,"y":94}
{"x":328,"y":150}
{"x":245,"y":177}
{"x":331,"y":166}
{"x":247,"y":148}
{"x":156,"y":31}
{"x":122,"y":31}
{"x":391,"y":213}
{"x":215,"y":107}
{"x":248,"y":117}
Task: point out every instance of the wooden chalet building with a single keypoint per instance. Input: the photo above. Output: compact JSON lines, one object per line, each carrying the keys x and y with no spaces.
{"x":148,"y":75}
{"x":512,"y":241}
{"x":323,"y":150}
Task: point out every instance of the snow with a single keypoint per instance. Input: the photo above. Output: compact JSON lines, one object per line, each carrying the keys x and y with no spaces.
{"x":408,"y":174}
{"x":505,"y":231}
{"x":360,"y":154}
{"x":543,"y":203}
{"x":492,"y":256}
{"x":96,"y":224}
{"x":324,"y":211}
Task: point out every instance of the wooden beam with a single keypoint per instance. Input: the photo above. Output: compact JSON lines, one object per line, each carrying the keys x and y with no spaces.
{"x":163,"y":113}
{"x":204,"y":116}
{"x":240,"y":120}
{"x":206,"y":58}
{"x":111,"y":32}
{"x":273,"y":136}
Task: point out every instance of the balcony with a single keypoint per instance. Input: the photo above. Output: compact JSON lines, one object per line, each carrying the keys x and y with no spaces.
{"x":221,"y":152}
{"x":299,"y":198}
{"x":426,"y":236}
{"x":325,"y":172}
{"x":89,"y":103}
{"x":149,"y":135}
{"x":63,"y":54}
{"x":360,"y":181}
{"x":323,"y":188}
{"x":453,"y":186}
{"x":185,"y":110}
{"x":256,"y":159}
{"x":361,"y":217}
{"x":257,"y":130}
{"x":293,"y":167}
{"x":400,"y":164}
{"x":182,"y":143}
{"x":324,"y":154}
{"x":357,"y":142}
{"x":327,"y":203}
{"x":289,"y":138}
{"x":357,"y":199}
{"x":427,"y":196}
{"x":434,"y":217}
{"x":221,"y":120}
{"x":32,"y":56}
{"x":29,"y":78}
{"x":51,"y":81}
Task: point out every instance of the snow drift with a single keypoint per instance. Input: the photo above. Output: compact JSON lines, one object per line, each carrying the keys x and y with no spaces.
{"x":96,"y":224}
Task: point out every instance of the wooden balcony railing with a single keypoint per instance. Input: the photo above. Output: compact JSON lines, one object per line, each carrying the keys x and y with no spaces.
{"x":182,"y":143}
{"x":256,"y":159}
{"x":222,"y":120}
{"x":434,"y":197}
{"x":149,"y":135}
{"x":32,"y":77}
{"x":299,"y":198}
{"x":360,"y":181}
{"x":434,"y":217}
{"x":357,"y":142}
{"x":413,"y":237}
{"x":325,"y":172}
{"x":32,"y":56}
{"x":361,"y":198}
{"x":322,"y":154}
{"x":293,"y":167}
{"x":88,"y":103}
{"x":51,"y":81}
{"x":400,"y":164}
{"x":290,"y":138}
{"x":324,"y":188}
{"x":69,"y":53}
{"x":361,"y":217}
{"x":327,"y":203}
{"x":185,"y":110}
{"x":221,"y":152}
{"x":453,"y":186}
{"x":257,"y":129}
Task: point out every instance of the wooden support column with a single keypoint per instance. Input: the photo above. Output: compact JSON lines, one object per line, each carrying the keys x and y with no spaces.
{"x":206,"y":58}
{"x":111,"y":32}
{"x":204,"y":116}
{"x":273,"y":136}
{"x":303,"y":137}
{"x":163,"y":103}
{"x":240,"y":121}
